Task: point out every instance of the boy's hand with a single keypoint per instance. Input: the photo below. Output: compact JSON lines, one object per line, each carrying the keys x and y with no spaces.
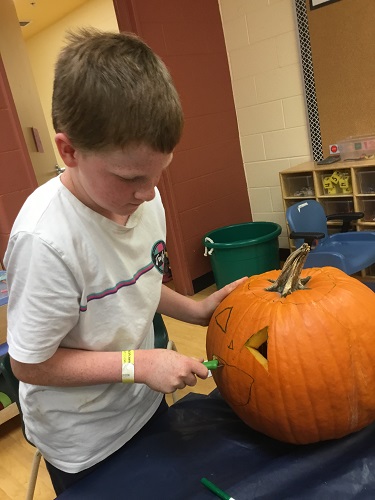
{"x":164,"y":370}
{"x":209,"y":304}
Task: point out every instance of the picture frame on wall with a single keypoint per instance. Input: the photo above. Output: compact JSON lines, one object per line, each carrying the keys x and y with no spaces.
{"x":315,"y":4}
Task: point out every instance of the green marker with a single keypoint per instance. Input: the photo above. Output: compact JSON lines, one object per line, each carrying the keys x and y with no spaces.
{"x":218,"y":492}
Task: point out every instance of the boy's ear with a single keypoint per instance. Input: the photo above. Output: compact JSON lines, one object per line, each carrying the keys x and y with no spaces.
{"x":67,"y":151}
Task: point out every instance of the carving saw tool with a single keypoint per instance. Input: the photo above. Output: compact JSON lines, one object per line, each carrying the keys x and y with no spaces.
{"x":212,"y":364}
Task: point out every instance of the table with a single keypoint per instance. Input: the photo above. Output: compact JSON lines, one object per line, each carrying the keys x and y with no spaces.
{"x":200,"y":436}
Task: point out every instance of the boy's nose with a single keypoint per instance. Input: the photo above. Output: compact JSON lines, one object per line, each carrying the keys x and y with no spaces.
{"x":145,"y":194}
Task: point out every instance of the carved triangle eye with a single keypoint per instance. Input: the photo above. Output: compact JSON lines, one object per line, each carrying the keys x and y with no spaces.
{"x":257,"y":344}
{"x":222,"y":319}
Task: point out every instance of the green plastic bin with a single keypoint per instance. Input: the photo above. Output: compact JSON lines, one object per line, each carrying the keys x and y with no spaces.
{"x":242,"y":250}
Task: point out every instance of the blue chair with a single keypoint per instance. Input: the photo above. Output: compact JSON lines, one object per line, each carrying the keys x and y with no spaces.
{"x":349,"y":250}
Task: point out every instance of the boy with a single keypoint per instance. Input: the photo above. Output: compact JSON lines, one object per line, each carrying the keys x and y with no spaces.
{"x":85,"y":260}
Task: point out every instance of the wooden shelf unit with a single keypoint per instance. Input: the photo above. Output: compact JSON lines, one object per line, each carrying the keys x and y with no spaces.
{"x":8,"y":413}
{"x":354,"y":191}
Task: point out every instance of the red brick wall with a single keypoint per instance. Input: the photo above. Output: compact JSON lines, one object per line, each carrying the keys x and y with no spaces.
{"x":205,"y":186}
{"x":17,"y":178}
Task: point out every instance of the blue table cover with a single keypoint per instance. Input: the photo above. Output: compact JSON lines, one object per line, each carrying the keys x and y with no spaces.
{"x":200,"y":436}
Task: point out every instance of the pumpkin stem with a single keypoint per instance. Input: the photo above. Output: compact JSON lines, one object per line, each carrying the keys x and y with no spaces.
{"x":289,"y":279}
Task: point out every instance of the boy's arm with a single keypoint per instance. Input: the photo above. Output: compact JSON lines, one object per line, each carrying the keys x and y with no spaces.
{"x":189,"y":310}
{"x":161,"y":369}
{"x":70,"y":368}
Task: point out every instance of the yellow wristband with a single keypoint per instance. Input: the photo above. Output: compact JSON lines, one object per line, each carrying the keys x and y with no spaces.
{"x":127,"y":367}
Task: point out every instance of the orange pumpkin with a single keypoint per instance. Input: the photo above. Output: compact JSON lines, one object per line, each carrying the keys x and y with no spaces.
{"x":299,"y":363}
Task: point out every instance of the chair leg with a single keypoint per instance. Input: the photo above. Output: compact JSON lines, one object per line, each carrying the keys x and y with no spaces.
{"x":33,"y":475}
{"x":171,"y":345}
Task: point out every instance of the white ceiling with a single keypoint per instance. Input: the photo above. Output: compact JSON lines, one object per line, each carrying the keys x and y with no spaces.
{"x":43,"y":13}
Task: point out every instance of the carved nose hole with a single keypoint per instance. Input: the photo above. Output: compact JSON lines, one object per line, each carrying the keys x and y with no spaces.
{"x":262,"y":349}
{"x":257,"y":344}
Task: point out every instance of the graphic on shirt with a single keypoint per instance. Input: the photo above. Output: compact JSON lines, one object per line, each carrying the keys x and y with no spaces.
{"x":158,"y":255}
{"x":158,"y":260}
{"x":117,"y":287}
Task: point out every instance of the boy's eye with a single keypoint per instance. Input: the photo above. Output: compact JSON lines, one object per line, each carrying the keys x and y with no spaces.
{"x":131,"y":180}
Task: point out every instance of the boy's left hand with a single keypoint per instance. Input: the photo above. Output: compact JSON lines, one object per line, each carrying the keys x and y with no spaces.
{"x":212,"y":301}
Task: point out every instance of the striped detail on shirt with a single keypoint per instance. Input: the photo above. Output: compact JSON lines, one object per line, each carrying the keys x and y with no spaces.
{"x":117,"y":287}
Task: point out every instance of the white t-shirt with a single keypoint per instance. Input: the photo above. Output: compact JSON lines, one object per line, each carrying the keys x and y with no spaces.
{"x":79,"y":280}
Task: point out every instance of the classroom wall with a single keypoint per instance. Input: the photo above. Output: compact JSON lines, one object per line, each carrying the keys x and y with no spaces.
{"x":26,"y":99}
{"x":263,"y":49}
{"x":21,"y":165}
{"x":44,"y":47}
{"x":204,"y":188}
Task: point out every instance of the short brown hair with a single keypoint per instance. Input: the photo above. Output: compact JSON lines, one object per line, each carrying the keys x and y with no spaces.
{"x":111,"y":90}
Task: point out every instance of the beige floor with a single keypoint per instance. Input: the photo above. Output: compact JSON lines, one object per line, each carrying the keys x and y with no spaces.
{"x":16,"y":454}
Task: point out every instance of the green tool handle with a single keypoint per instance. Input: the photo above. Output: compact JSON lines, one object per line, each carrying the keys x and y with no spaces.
{"x":211,"y":365}
{"x":218,"y":492}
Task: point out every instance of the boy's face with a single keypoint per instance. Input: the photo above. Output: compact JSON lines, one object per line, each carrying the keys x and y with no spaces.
{"x":115,"y":183}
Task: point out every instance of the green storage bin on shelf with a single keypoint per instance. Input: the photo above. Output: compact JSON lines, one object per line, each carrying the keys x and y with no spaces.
{"x":242,"y":250}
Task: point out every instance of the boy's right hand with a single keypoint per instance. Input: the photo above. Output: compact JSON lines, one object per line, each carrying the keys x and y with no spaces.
{"x":164,"y":370}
